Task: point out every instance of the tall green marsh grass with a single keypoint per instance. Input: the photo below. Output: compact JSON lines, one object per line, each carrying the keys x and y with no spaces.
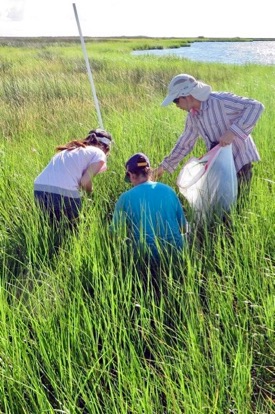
{"x":82,"y":329}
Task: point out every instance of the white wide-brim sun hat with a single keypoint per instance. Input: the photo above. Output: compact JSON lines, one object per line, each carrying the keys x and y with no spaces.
{"x":184,"y":85}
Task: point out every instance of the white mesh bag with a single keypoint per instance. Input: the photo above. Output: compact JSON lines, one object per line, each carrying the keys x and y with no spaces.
{"x":209,"y":183}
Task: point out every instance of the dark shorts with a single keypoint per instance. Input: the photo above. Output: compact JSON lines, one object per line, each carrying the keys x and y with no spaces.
{"x":58,"y":206}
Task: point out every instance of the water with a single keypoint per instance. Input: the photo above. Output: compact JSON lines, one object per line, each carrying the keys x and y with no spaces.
{"x":238,"y":53}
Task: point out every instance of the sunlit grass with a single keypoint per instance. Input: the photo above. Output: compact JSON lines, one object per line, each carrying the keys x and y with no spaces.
{"x":82,"y":328}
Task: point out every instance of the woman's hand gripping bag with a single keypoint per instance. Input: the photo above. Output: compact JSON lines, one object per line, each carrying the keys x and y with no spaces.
{"x":209,"y":183}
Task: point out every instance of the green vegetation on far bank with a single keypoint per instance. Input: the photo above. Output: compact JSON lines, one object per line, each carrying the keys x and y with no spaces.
{"x":135,"y":42}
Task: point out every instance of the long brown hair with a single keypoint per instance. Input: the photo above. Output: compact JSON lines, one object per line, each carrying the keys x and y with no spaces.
{"x":95,"y":138}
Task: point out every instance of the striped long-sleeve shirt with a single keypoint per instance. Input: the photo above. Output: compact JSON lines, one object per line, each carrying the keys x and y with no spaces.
{"x":221,"y":112}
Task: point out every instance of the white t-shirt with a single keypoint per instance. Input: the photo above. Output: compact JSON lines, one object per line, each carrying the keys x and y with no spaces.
{"x":63,"y":173}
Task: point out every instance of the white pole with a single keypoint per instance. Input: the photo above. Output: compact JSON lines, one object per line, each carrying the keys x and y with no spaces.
{"x":88,"y":68}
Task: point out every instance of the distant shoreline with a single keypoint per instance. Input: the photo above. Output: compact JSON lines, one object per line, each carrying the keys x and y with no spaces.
{"x":189,"y":39}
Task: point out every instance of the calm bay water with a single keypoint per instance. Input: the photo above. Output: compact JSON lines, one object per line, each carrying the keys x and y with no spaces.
{"x":238,"y":53}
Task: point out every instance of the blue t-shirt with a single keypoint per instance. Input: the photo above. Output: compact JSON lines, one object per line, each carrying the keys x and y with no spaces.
{"x":153,"y":215}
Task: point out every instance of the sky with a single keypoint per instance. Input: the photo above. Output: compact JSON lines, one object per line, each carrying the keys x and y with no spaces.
{"x":153,"y":18}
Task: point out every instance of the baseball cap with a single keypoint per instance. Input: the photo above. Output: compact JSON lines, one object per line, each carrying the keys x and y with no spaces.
{"x":137,"y":161}
{"x":184,"y":85}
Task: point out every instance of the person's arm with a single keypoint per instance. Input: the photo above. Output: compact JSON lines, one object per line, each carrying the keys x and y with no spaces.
{"x":86,"y":180}
{"x":182,"y":148}
{"x":249,"y":112}
{"x":157,"y":172}
{"x":227,"y":138}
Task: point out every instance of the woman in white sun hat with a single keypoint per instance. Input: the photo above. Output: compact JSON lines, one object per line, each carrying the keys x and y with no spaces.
{"x":219,"y":118}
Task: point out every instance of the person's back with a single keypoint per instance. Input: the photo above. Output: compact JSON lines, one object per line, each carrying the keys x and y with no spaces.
{"x":58,"y":188}
{"x":64,"y":172}
{"x":152,"y":213}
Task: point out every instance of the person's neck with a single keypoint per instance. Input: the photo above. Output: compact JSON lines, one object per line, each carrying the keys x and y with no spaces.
{"x":141,"y":180}
{"x":196,"y":105}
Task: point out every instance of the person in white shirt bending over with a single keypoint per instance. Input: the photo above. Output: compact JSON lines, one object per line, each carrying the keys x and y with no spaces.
{"x":57,"y":189}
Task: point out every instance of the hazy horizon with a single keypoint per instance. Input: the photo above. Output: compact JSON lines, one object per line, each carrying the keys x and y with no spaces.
{"x":119,"y":18}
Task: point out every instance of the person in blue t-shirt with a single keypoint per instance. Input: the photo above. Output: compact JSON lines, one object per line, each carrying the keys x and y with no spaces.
{"x":150,"y":213}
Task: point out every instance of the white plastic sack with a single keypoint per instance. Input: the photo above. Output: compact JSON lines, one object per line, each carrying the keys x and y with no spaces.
{"x":209,"y":183}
